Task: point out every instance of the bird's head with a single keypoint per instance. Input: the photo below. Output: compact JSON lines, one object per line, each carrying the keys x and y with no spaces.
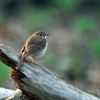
{"x":41,"y":35}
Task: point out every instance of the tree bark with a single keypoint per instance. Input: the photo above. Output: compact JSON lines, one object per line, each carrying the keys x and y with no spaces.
{"x":39,"y":83}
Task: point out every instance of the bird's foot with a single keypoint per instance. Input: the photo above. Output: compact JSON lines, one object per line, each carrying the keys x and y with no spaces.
{"x":17,"y":67}
{"x":36,"y":63}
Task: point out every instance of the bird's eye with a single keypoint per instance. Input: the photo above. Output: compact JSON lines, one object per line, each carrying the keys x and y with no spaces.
{"x":40,"y":34}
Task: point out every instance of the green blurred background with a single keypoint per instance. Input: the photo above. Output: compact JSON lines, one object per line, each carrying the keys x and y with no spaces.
{"x":74,"y":41}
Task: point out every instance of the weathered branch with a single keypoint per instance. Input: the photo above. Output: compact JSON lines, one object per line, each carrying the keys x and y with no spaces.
{"x":39,"y":82}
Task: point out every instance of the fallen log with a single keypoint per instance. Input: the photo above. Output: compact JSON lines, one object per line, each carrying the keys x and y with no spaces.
{"x":39,"y":83}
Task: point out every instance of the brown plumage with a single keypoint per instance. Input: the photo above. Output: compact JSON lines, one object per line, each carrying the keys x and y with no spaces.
{"x":34,"y":47}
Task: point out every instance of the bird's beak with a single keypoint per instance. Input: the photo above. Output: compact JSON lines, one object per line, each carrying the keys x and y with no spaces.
{"x":46,"y":33}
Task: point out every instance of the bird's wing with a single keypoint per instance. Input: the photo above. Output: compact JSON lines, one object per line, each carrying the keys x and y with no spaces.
{"x":33,"y":49}
{"x":23,"y":49}
{"x":23,"y":52}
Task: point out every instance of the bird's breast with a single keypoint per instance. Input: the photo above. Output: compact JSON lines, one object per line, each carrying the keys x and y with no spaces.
{"x":42,"y":51}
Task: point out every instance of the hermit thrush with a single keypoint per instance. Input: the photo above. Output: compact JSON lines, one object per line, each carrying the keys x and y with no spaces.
{"x":34,"y":47}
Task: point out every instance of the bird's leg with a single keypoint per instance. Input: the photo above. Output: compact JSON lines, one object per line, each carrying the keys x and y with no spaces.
{"x":20,"y":63}
{"x":35,"y":62}
{"x":22,"y":59}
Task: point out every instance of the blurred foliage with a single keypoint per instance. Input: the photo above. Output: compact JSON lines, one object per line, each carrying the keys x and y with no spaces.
{"x":4,"y":73}
{"x":2,"y":17}
{"x":95,"y":47}
{"x":85,"y":24}
{"x":75,"y":72}
{"x":77,"y":64}
{"x":66,"y":5}
{"x":35,"y":18}
{"x":64,"y":64}
{"x":49,"y":59}
{"x":89,"y":6}
{"x":42,"y":3}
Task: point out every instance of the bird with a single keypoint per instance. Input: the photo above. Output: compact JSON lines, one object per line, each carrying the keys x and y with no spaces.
{"x":34,"y":48}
